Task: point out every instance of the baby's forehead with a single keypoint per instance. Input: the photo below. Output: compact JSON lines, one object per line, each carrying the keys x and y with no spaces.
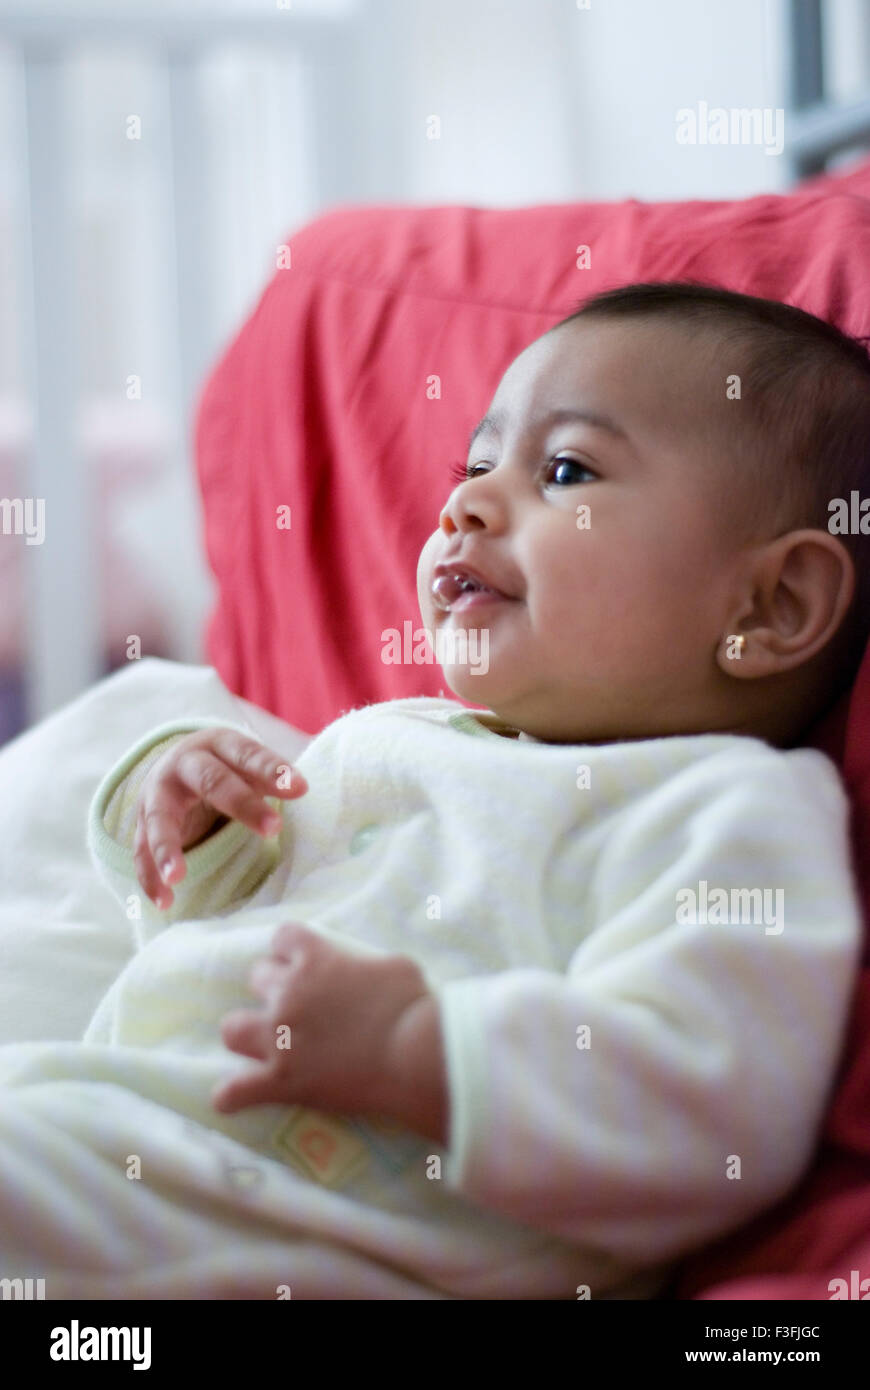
{"x":643,"y":341}
{"x":652,"y":372}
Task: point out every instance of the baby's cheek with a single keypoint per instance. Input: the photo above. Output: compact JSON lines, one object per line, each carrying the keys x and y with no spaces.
{"x":425,"y":566}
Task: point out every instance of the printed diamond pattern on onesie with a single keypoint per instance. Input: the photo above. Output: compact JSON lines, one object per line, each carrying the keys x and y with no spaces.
{"x":335,"y":1150}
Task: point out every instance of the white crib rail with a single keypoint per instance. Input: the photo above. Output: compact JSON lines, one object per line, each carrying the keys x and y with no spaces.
{"x":64,"y":642}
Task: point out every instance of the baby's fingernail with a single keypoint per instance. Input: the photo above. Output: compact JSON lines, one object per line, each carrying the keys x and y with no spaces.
{"x":289,"y":779}
{"x":165,"y":867}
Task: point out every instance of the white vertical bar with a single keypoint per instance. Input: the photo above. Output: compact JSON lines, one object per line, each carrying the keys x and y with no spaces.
{"x":63,"y":615}
{"x":193,"y":233}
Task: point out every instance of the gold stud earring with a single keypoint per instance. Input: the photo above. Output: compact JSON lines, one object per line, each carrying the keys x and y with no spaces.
{"x":735,"y":646}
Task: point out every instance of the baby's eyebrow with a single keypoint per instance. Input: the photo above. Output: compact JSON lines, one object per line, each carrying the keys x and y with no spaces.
{"x":491,"y":423}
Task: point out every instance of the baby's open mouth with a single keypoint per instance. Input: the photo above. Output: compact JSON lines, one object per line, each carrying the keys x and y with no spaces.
{"x":457,"y":588}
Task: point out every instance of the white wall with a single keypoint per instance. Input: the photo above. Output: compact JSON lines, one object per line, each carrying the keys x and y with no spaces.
{"x":548,"y":102}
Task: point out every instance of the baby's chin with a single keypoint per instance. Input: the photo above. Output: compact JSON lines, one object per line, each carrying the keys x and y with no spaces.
{"x":463,"y":684}
{"x":479,"y":688}
{"x":481,"y":672}
{"x":512,"y":703}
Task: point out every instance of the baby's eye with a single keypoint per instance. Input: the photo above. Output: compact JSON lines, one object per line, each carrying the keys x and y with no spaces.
{"x":461,"y":472}
{"x":560,"y":463}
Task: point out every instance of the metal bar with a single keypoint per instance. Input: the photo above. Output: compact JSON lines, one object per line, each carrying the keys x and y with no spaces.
{"x":806,"y":81}
{"x":807,"y":72}
{"x":189,"y":136}
{"x":820,"y":131}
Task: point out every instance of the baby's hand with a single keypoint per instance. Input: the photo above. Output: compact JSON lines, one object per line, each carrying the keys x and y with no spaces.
{"x":327,"y":1032}
{"x":206,"y":775}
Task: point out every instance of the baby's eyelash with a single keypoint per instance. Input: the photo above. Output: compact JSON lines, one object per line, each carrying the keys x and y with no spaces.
{"x":459,"y":471}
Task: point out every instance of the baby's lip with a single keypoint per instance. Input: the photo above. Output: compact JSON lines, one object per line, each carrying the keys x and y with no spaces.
{"x":466,"y":571}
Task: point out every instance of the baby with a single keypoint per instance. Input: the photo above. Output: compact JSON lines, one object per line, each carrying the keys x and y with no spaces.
{"x":531,"y":1000}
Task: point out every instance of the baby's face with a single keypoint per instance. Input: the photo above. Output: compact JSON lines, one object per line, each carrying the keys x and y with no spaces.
{"x":609,"y":630}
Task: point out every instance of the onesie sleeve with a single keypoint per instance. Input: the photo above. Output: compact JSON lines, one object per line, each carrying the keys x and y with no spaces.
{"x":222,"y":871}
{"x":671,"y":1084}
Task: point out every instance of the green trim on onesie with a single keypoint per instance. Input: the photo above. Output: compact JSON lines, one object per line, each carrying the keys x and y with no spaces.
{"x":469,"y":723}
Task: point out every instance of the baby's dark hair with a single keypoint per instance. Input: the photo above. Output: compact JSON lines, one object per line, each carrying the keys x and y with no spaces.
{"x":804,"y":412}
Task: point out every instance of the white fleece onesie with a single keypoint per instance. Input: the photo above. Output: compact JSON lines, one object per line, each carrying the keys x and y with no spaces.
{"x":643,"y":954}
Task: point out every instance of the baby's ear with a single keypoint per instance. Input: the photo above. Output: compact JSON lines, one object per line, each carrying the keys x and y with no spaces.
{"x":802,"y":588}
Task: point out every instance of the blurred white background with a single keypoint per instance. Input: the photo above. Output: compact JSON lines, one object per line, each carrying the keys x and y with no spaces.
{"x":139,"y":257}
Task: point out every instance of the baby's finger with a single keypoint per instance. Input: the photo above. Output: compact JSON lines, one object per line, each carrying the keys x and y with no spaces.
{"x":267,"y":977}
{"x":202,"y":772}
{"x":296,"y":942}
{"x":146,"y":869}
{"x":244,"y":1031}
{"x":257,"y":1087}
{"x":161,"y":818}
{"x":262,"y":768}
